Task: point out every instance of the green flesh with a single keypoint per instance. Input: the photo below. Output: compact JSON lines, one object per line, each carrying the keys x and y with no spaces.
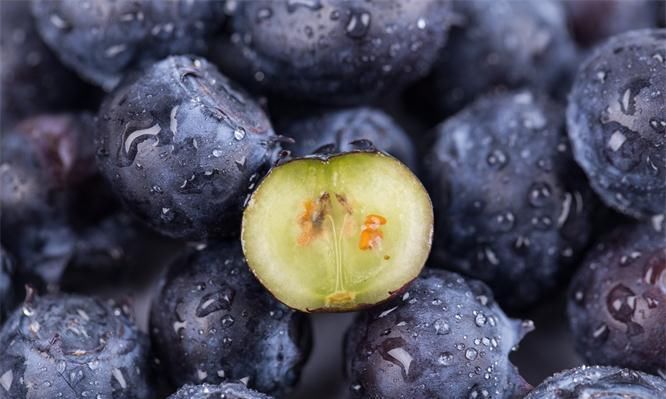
{"x":311,"y":258}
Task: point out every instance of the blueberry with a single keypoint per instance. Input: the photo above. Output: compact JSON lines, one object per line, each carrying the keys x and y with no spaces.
{"x":106,"y":252}
{"x":103,"y":39}
{"x":511,"y":44}
{"x":511,"y":207}
{"x":445,"y":337}
{"x":600,"y":382}
{"x":213,"y":321}
{"x":344,"y":130}
{"x":32,"y":78}
{"x":227,"y":390}
{"x":592,"y":21}
{"x":617,"y":124}
{"x":617,"y":301}
{"x":48,"y":177}
{"x":332,"y":51}
{"x":183,"y":146}
{"x":7,"y":271}
{"x":69,"y":346}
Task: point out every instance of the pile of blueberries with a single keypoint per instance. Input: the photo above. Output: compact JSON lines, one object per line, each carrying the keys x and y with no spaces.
{"x":133,"y":133}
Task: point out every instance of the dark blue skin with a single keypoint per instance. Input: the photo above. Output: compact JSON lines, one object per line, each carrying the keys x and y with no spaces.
{"x":337,"y":131}
{"x":183,"y":146}
{"x":7,"y":271}
{"x":600,"y":382}
{"x":617,"y":300}
{"x":213,"y":321}
{"x":444,"y":337}
{"x":33,"y":79}
{"x":102,"y":39}
{"x":593,"y":21}
{"x":332,"y":51}
{"x":617,"y":124}
{"x":511,"y":207}
{"x":509,"y":45}
{"x":228,"y":390}
{"x":69,"y":347}
{"x":52,"y":194}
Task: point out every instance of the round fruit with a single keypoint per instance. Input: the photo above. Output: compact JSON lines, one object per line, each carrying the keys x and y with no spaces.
{"x":445,"y":338}
{"x":227,"y":390}
{"x":339,"y":131}
{"x":617,"y":301}
{"x":332,"y":50}
{"x":212,"y":321}
{"x":600,"y":382}
{"x":102,"y":39}
{"x":32,"y":78}
{"x":69,"y":346}
{"x":182,"y":147}
{"x":512,"y":207}
{"x":509,"y":45}
{"x":617,"y":121}
{"x":592,"y":21}
{"x":48,"y":178}
{"x":337,"y":233}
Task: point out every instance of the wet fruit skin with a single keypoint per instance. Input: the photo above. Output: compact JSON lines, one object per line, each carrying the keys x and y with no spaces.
{"x":445,"y":337}
{"x":213,"y":321}
{"x":66,"y":346}
{"x":617,"y":300}
{"x":600,"y":382}
{"x":616,"y":121}
{"x":342,"y":130}
{"x":511,"y":207}
{"x":107,"y":251}
{"x":33,"y":79}
{"x":52,"y":194}
{"x":592,"y":21}
{"x":182,"y":146}
{"x":102,"y":40}
{"x":228,"y":390}
{"x":7,"y":271}
{"x":509,"y":45}
{"x":332,"y":51}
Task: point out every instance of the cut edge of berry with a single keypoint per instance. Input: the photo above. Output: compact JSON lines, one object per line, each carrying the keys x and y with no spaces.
{"x":346,"y":231}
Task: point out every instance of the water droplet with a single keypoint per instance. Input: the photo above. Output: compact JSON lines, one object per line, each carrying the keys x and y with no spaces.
{"x":239,"y":133}
{"x":504,"y":221}
{"x":293,"y":5}
{"x":600,"y":334}
{"x":227,"y":321}
{"x":6,"y":380}
{"x":264,"y":13}
{"x":114,"y":50}
{"x":392,"y":350}
{"x":358,"y":24}
{"x":445,"y":358}
{"x":497,"y":159}
{"x":480,"y":320}
{"x":441,"y":327}
{"x":616,"y":140}
{"x":215,"y":301}
{"x":542,"y":222}
{"x":539,"y":194}
{"x":132,"y":139}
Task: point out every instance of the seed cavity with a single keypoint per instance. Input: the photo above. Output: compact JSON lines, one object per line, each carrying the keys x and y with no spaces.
{"x":312,"y":218}
{"x":371,"y":235}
